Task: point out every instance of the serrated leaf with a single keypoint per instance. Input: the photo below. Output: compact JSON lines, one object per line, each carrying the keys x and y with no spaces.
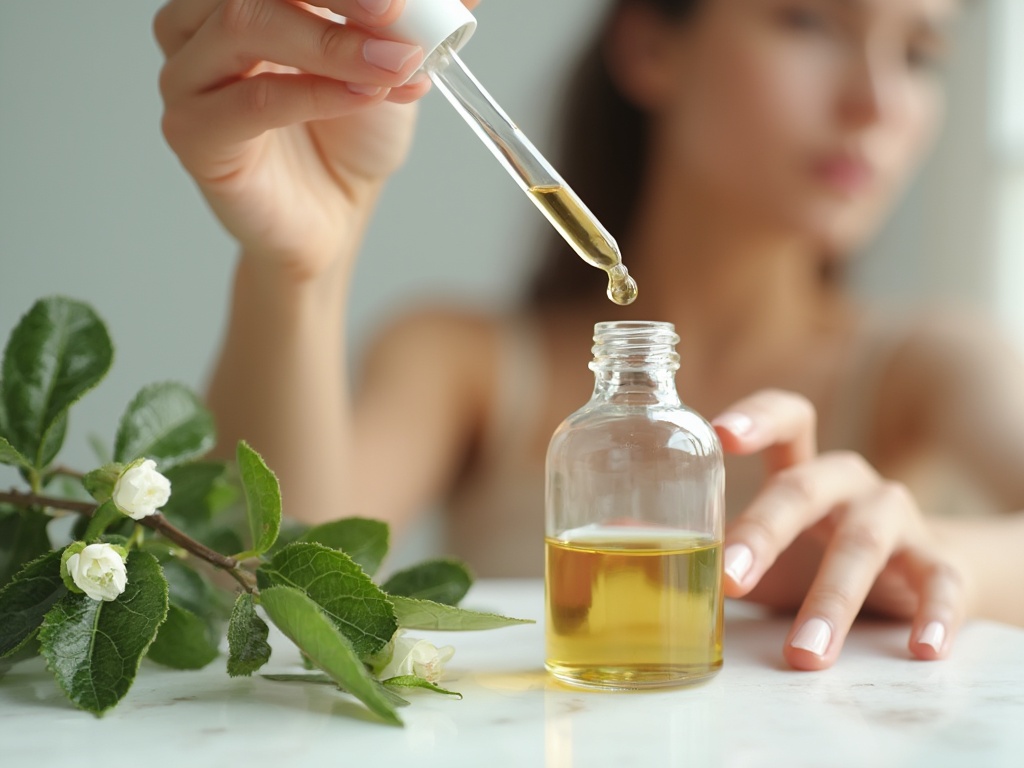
{"x":94,"y":648}
{"x":411,"y":681}
{"x":262,"y":500}
{"x":357,"y":606}
{"x":10,"y":455}
{"x":426,"y":614}
{"x":443,"y":581}
{"x":193,"y":488}
{"x":362,"y":539}
{"x":248,"y":649}
{"x":303,"y":621}
{"x":26,"y":599}
{"x":165,"y":422}
{"x":59,"y":350}
{"x":23,"y":538}
{"x":183,"y":641}
{"x":105,"y":516}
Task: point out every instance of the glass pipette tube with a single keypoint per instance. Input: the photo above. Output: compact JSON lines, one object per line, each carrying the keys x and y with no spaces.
{"x":531,"y":170}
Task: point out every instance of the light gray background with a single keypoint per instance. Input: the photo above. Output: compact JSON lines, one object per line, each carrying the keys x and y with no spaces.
{"x":93,"y":204}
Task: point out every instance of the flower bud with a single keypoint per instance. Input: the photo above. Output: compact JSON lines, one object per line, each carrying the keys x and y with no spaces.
{"x":140,"y":490}
{"x":416,"y":657}
{"x":97,"y":570}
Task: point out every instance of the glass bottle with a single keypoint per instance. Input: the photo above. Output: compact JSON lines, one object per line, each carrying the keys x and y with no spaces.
{"x":634,"y":524}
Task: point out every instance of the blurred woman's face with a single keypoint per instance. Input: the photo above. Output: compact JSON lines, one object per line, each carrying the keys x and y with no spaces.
{"x":804,"y":115}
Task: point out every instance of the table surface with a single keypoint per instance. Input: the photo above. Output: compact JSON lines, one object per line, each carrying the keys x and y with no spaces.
{"x":876,"y":707}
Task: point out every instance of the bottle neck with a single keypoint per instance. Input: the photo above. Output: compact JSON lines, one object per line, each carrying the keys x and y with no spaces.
{"x":635,"y":363}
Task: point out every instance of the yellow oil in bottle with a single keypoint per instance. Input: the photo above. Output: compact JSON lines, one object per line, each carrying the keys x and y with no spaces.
{"x":579,"y":227}
{"x":633,"y":608}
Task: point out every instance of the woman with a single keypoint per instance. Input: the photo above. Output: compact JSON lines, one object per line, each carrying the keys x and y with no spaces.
{"x":754,"y":142}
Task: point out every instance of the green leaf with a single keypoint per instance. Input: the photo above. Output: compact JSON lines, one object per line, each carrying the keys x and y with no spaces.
{"x":105,"y":516}
{"x":165,"y":422}
{"x":333,"y":581}
{"x":443,"y":581}
{"x":183,"y":641}
{"x":189,"y":589}
{"x":364,"y":540}
{"x":248,"y":649}
{"x":9,"y":455}
{"x":425,"y":614}
{"x":94,"y":648}
{"x":28,"y":650}
{"x":193,"y":487}
{"x":23,"y":538}
{"x":59,"y":351}
{"x":322,"y":679}
{"x":262,"y":500}
{"x":303,"y":621}
{"x":25,"y":601}
{"x":411,"y":681}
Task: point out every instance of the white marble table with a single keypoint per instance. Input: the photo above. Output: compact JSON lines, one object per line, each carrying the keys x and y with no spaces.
{"x":877,"y":708}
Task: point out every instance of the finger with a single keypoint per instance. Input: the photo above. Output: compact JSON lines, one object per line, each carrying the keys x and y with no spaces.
{"x":942,"y":605}
{"x":862,"y":544}
{"x":227,"y":47}
{"x":792,"y":501}
{"x":412,"y":91}
{"x":783,"y":424}
{"x":177,"y":21}
{"x":257,"y":104}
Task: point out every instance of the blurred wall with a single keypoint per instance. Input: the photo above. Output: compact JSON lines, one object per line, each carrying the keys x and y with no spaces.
{"x":93,"y":205}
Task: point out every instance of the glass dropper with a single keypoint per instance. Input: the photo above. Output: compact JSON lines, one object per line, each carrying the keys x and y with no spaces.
{"x":534,"y":174}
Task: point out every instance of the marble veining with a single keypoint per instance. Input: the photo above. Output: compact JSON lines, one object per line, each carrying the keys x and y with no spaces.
{"x":877,"y":707}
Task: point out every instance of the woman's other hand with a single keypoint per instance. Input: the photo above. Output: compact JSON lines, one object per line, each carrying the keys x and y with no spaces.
{"x":288,"y":119}
{"x":829,"y":535}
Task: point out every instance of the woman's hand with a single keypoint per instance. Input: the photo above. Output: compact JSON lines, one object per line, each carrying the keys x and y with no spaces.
{"x":288,"y":120}
{"x":827,"y":533}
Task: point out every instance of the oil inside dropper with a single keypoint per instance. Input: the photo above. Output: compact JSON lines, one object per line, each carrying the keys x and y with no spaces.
{"x":579,"y":228}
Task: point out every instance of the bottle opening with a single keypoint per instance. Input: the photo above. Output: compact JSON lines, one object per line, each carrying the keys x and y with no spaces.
{"x":634,"y":345}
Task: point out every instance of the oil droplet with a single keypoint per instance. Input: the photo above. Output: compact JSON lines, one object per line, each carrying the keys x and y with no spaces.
{"x":621,"y":287}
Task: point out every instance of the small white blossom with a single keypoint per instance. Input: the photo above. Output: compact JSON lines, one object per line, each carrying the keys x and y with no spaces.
{"x":98,"y":570}
{"x":140,"y":490}
{"x":417,"y":657}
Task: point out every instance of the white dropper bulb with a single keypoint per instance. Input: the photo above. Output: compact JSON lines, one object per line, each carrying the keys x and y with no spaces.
{"x":441,"y":28}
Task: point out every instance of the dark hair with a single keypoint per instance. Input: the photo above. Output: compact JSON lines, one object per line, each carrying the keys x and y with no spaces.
{"x":602,"y":156}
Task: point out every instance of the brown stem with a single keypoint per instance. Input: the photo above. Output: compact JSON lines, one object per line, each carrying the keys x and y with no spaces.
{"x":157,"y":523}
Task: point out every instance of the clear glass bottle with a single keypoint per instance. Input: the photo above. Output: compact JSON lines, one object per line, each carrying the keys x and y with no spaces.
{"x":634,"y":524}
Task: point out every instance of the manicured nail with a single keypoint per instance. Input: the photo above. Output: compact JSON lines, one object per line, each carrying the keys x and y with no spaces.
{"x":363,"y":90}
{"x":376,"y":7}
{"x":813,"y":636}
{"x":737,"y":558}
{"x":388,"y":54}
{"x":419,"y":77}
{"x":933,"y":634}
{"x":739,"y":424}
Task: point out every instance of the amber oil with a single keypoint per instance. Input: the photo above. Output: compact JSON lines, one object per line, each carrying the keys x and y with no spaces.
{"x":579,"y":227}
{"x":632,"y":608}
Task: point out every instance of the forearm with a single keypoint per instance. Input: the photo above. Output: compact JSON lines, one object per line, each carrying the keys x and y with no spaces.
{"x":988,"y":551}
{"x":280,"y":383}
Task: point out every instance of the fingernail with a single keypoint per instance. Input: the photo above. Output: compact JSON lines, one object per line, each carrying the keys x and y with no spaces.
{"x":388,"y":54}
{"x":737,"y":558}
{"x":418,"y":78}
{"x":933,"y":634}
{"x":738,"y":423}
{"x":376,"y":7}
{"x":813,"y":636}
{"x":363,"y":90}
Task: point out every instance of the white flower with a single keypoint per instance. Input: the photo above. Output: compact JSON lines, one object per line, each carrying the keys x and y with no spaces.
{"x":98,"y":570}
{"x":416,"y":657}
{"x":140,"y":490}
